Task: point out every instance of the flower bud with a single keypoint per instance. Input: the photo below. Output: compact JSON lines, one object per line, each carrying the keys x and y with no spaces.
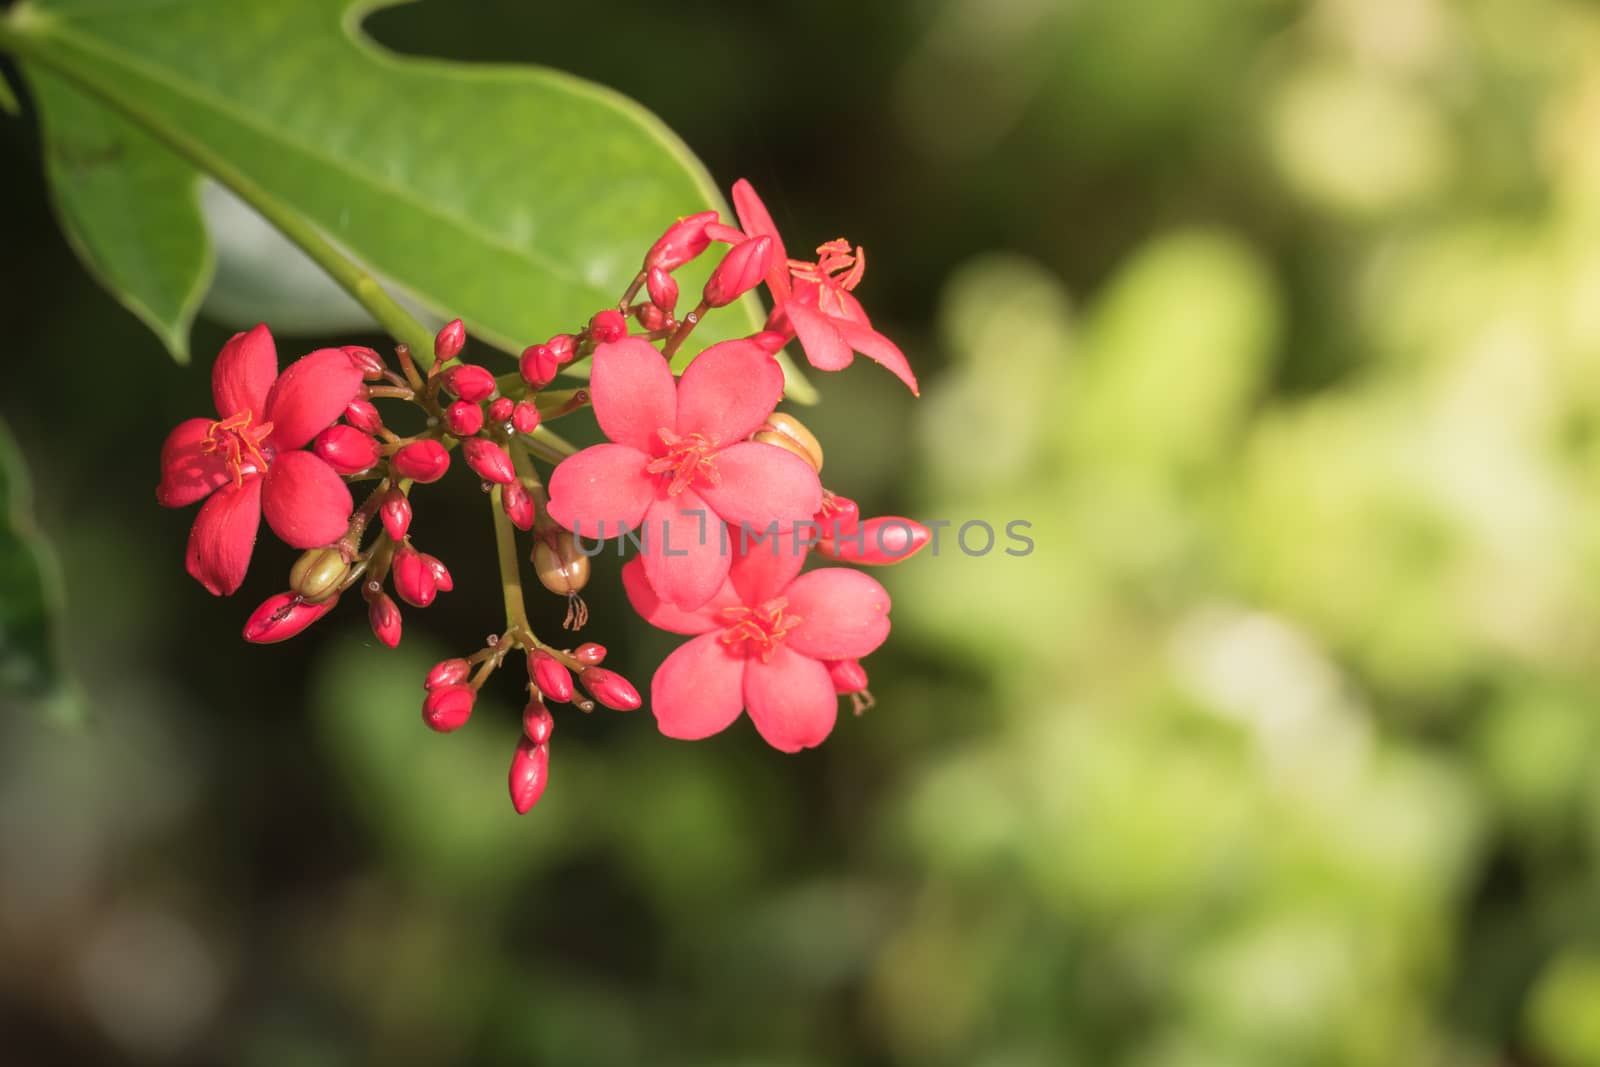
{"x":412,"y":578}
{"x":722,"y":233}
{"x":530,"y":770}
{"x":448,"y":707}
{"x":610,"y":688}
{"x":607,"y":326}
{"x":652,"y":317}
{"x":449,"y":342}
{"x":881,"y":541}
{"x":561,"y":568}
{"x":447,"y":672}
{"x":383,"y":614}
{"x":517,"y":503}
{"x":441,"y":574}
{"x":422,"y":461}
{"x":537,"y":722}
{"x":500,"y":409}
{"x":368,"y":362}
{"x":683,"y":241}
{"x":488,"y":460}
{"x":838,"y":515}
{"x":848,"y":675}
{"x":663,"y":289}
{"x":769,"y":341}
{"x":740,"y":271}
{"x":395,"y":512}
{"x":787,"y":432}
{"x":538,"y":366}
{"x":590,"y":654}
{"x":346,"y":449}
{"x":525,"y":417}
{"x":363,"y":416}
{"x":463,"y":418}
{"x":551,"y":676}
{"x":318,"y":573}
{"x":470,"y":382}
{"x":282,"y":616}
{"x":563,"y":346}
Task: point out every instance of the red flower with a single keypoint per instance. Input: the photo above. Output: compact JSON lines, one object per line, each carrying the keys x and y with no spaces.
{"x":766,"y":641}
{"x":813,"y":301}
{"x":679,"y":465}
{"x":247,"y":461}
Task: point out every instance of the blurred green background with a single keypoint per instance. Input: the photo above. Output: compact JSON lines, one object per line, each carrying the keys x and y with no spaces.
{"x":1279,"y":320}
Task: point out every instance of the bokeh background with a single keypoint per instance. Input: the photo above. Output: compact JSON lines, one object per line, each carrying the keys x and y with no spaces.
{"x":1279,"y":322}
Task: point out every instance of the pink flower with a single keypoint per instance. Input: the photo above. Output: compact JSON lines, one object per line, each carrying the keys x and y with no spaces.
{"x":765,"y":644}
{"x":679,"y":466}
{"x":247,"y":461}
{"x":813,"y":301}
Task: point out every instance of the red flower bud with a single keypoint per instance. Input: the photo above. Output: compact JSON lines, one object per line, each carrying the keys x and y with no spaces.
{"x":470,"y":382}
{"x":463,"y":418}
{"x":283,"y":615}
{"x":537,"y":722}
{"x":608,"y":326}
{"x":441,"y":574}
{"x":363,"y":416}
{"x":740,"y":271}
{"x":384,"y":616}
{"x":517,"y":503}
{"x":449,"y":707}
{"x":884,"y":540}
{"x":422,"y":461}
{"x":662,"y":288}
{"x":552,"y":678}
{"x":838,"y":515}
{"x":683,"y":241}
{"x":368,"y":362}
{"x":590,"y":654}
{"x":722,"y":233}
{"x":537,"y":365}
{"x":500,"y":409}
{"x":448,"y":343}
{"x":563,"y":346}
{"x":346,"y":449}
{"x":488,"y":460}
{"x":653,"y":318}
{"x":524,"y":417}
{"x":447,"y":672}
{"x":530,"y":770}
{"x":847,"y":674}
{"x":412,"y":578}
{"x":610,"y":688}
{"x":770,"y":341}
{"x":395,"y":511}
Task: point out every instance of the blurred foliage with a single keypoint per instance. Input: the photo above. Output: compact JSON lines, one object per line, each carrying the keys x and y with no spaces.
{"x":1276,"y":323}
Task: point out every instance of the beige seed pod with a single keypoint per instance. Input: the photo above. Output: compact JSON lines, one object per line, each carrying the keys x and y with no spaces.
{"x":787,"y":432}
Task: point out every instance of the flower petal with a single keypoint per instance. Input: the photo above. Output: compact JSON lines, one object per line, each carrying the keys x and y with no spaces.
{"x":844,"y":614}
{"x":243,"y":373}
{"x":306,"y":503}
{"x":763,"y":484}
{"x":757,"y":222}
{"x":664,"y":616}
{"x":634,"y":394}
{"x":312,"y":391}
{"x":187,"y":473}
{"x":699,"y":689}
{"x":224,"y":536}
{"x":602,"y":484}
{"x":763,"y":565}
{"x":876,"y":346}
{"x":728,"y":391}
{"x":825,"y":348}
{"x":684,"y":557}
{"x":791,"y":699}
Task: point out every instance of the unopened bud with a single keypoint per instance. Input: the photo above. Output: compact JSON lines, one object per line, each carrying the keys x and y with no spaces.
{"x":838,"y":515}
{"x":769,"y":341}
{"x":683,"y":241}
{"x":363,"y":416}
{"x":368,"y":362}
{"x":663,"y":289}
{"x":412,"y":578}
{"x":441,"y":573}
{"x":787,"y":432}
{"x":447,"y":345}
{"x":848,"y":675}
{"x":447,"y":672}
{"x":561,"y":568}
{"x":537,"y":722}
{"x":346,"y":449}
{"x":610,"y":688}
{"x":448,"y":707}
{"x":395,"y":513}
{"x":384,"y":616}
{"x":422,"y":461}
{"x":463,"y":418}
{"x":500,"y":409}
{"x":590,"y":654}
{"x":470,"y":382}
{"x":525,"y":417}
{"x":517,"y":503}
{"x":318,"y":573}
{"x":538,"y":366}
{"x":530,"y":770}
{"x":282,"y":616}
{"x":488,"y":460}
{"x":722,"y":233}
{"x":881,"y":541}
{"x":653,"y":318}
{"x":563,"y":346}
{"x":607,"y":326}
{"x":740,"y":271}
{"x":551,"y":676}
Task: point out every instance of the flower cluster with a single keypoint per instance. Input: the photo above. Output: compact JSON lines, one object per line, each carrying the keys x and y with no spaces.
{"x":720,"y":491}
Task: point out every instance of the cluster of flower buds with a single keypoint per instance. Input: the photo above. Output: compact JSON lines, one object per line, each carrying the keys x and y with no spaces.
{"x":720,"y":491}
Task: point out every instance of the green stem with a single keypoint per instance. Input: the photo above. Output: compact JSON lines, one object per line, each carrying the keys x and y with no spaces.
{"x":505,"y":544}
{"x":350,"y":276}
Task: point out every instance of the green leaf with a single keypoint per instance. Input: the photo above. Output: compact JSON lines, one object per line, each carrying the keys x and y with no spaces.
{"x":518,"y":198}
{"x":29,"y":589}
